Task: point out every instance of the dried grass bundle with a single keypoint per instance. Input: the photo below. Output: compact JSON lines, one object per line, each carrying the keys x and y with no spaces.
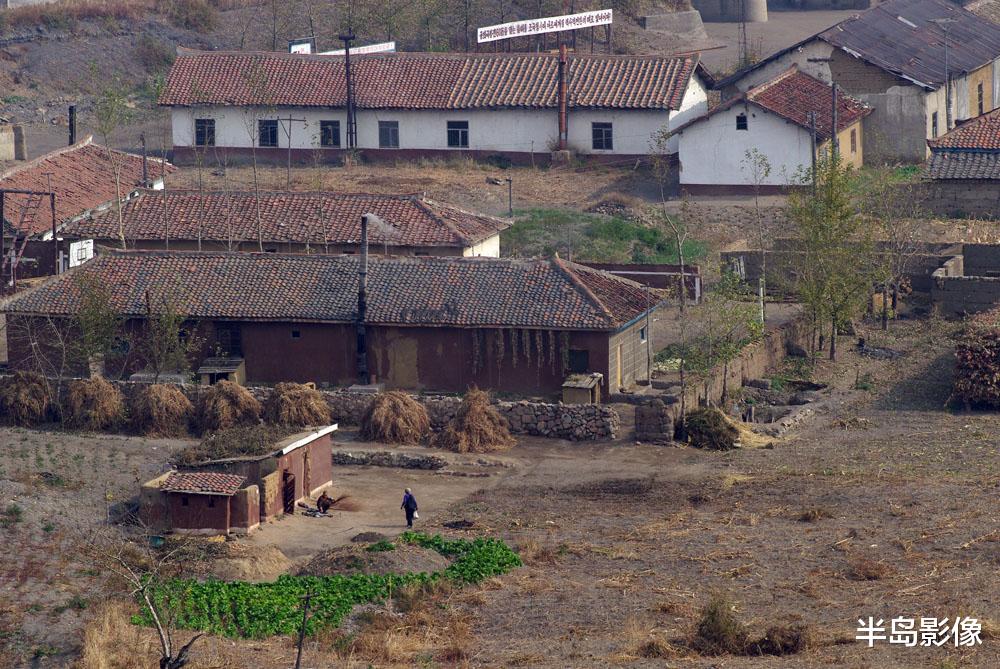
{"x":395,"y":418}
{"x":477,"y":427}
{"x":24,"y":399}
{"x":226,"y":405}
{"x":93,"y":404}
{"x":296,"y":405}
{"x":160,"y":410}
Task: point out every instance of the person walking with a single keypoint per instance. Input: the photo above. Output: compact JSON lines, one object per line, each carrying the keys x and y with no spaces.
{"x":409,"y":505}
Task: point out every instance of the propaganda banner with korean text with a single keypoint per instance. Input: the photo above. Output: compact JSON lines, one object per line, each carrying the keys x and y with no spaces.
{"x":381,"y":47}
{"x":549,"y":24}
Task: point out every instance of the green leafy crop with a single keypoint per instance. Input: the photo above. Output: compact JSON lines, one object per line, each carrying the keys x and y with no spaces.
{"x":259,"y":610}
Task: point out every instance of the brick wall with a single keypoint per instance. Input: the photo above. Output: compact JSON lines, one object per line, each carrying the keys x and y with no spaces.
{"x":628,"y":356}
{"x":960,"y":198}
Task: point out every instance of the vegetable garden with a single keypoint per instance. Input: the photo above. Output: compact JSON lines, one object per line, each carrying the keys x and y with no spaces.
{"x":259,"y":610}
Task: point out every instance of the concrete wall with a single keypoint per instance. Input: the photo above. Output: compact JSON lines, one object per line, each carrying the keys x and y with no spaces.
{"x":980,"y":260}
{"x":960,"y":295}
{"x":6,"y":139}
{"x":731,"y":11}
{"x":629,"y":353}
{"x":712,"y":151}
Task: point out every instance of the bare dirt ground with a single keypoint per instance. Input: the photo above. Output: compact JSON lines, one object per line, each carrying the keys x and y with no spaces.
{"x":624,"y":543}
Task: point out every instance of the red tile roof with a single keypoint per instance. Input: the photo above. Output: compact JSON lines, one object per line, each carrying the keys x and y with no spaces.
{"x":426,"y":81}
{"x":981,"y":133}
{"x":313,"y":218}
{"x":82,"y":178}
{"x":204,"y":483}
{"x":426,"y":291}
{"x":792,"y":95}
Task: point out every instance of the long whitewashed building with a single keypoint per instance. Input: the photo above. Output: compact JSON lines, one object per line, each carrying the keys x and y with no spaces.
{"x":294,"y":106}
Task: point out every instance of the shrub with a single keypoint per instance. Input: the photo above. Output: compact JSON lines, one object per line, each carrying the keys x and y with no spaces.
{"x":477,"y":427}
{"x":252,"y":440}
{"x":977,"y":355}
{"x":154,"y":54}
{"x":226,"y":405}
{"x":719,"y":631}
{"x":709,"y":428}
{"x":296,"y":405}
{"x":24,"y":399}
{"x":783,"y":640}
{"x":93,"y":404}
{"x":198,"y":15}
{"x":395,"y":418}
{"x":160,"y":410}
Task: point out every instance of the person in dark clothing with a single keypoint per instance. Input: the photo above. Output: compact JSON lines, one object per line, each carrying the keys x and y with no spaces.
{"x":409,"y":505}
{"x":324,"y":502}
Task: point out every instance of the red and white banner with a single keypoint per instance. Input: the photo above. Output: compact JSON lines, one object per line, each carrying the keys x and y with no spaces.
{"x":382,"y":47}
{"x":549,"y":24}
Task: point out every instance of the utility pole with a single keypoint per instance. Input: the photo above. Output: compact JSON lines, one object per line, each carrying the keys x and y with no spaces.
{"x":834,"y":140}
{"x":944,"y":25}
{"x":352,"y":127}
{"x":362,"y":349}
{"x":812,"y":134}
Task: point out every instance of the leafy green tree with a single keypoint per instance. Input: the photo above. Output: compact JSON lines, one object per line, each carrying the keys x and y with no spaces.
{"x":97,"y":322}
{"x":834,"y":266}
{"x":165,"y":344}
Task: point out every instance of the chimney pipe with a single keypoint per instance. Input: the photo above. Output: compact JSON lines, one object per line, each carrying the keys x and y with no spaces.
{"x":145,"y":161}
{"x":563,"y":74}
{"x":72,"y":125}
{"x":362,"y":351}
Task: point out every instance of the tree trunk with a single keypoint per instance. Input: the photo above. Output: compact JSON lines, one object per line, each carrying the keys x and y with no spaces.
{"x":885,"y":306}
{"x":833,"y":339}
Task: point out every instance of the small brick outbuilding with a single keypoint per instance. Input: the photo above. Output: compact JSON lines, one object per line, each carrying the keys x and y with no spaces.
{"x":235,"y":495}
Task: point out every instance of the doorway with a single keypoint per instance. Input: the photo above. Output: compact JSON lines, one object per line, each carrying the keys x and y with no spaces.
{"x":618,"y":369}
{"x":288,"y":492}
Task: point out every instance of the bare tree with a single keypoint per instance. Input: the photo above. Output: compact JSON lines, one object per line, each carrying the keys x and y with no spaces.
{"x":140,"y":571}
{"x":112,"y":113}
{"x":758,"y":168}
{"x":258,"y":85}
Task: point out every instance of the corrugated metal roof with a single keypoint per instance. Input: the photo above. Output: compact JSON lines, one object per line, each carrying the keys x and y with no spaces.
{"x":902,"y":37}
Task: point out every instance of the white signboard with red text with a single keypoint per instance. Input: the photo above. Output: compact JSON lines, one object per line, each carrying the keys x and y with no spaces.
{"x":600,"y":17}
{"x":381,"y":47}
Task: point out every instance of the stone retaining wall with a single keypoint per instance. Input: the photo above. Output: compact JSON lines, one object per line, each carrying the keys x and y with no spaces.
{"x":576,"y":422}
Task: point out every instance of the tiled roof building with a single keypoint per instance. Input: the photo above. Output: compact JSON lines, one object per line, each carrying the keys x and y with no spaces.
{"x":203,"y":483}
{"x":460,"y":292}
{"x":896,"y":56}
{"x":970,"y":151}
{"x":772,"y":119}
{"x":426,"y":80}
{"x":321,"y":221}
{"x":83,"y":179}
{"x":293,"y":106}
{"x":436,"y":323}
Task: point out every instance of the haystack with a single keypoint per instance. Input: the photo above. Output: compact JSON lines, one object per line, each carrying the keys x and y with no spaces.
{"x":296,"y":405}
{"x":225,"y":405}
{"x":476,"y":428}
{"x":709,"y":428}
{"x":93,"y":404}
{"x":160,"y":410}
{"x":395,"y":418}
{"x":24,"y":399}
